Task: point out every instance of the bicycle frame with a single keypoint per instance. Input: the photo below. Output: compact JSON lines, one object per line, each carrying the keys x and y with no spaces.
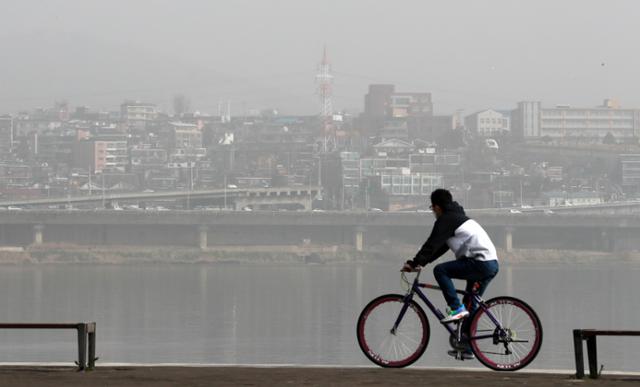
{"x":450,"y":326}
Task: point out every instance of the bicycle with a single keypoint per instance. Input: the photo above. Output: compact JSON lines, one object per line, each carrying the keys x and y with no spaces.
{"x":505,"y":333}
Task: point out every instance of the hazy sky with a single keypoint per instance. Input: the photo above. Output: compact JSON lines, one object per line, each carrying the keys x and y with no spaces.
{"x":264,"y":53}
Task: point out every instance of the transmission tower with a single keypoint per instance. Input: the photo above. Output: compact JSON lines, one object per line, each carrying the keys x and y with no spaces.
{"x":324,"y":79}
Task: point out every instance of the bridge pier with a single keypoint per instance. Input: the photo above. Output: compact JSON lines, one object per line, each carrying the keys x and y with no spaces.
{"x":607,"y":240}
{"x":358,"y":238}
{"x":508,"y":239}
{"x":307,"y":203}
{"x":203,"y":234}
{"x":38,"y":234}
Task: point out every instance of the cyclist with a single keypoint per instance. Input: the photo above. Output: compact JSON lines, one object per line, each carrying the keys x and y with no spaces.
{"x":476,"y":258}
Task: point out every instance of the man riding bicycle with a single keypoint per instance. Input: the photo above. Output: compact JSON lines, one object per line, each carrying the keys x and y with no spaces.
{"x":476,"y":259}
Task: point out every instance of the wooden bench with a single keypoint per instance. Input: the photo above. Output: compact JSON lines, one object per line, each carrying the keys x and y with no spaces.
{"x":86,"y":335}
{"x":590,"y":336}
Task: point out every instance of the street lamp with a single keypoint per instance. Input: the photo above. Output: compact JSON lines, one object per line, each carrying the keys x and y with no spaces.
{"x":225,"y":191}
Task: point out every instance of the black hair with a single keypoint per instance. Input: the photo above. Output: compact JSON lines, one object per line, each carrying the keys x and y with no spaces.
{"x":441,"y":197}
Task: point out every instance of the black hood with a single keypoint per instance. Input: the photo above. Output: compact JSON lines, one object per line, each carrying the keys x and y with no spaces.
{"x":445,"y":227}
{"x":453,"y":208}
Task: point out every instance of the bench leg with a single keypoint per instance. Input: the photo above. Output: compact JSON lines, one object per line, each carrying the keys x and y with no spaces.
{"x":577,"y":348}
{"x":593,"y":357}
{"x":91,"y":364}
{"x":82,"y":346}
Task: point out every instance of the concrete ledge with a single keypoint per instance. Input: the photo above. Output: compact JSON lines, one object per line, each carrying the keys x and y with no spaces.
{"x":276,"y":375}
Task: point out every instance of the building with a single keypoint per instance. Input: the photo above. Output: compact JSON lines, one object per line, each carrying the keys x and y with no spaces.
{"x":587,"y":125}
{"x":15,"y":175}
{"x":145,"y":157}
{"x":101,"y":155}
{"x":6,"y":135}
{"x":406,"y":183}
{"x":25,"y":124}
{"x":407,"y":189}
{"x":554,"y":173}
{"x":54,"y":147}
{"x":350,"y":170}
{"x":383,"y":104}
{"x":487,"y":123}
{"x":443,"y":162}
{"x":394,"y":130}
{"x":185,"y":136}
{"x":404,"y":105}
{"x":630,"y":166}
{"x":393,"y":147}
{"x":377,"y":102}
{"x":136,"y":114}
{"x":563,"y":198}
{"x":370,"y":167}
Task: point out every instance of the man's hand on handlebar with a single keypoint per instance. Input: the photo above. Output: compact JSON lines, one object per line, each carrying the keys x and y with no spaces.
{"x":410,"y":267}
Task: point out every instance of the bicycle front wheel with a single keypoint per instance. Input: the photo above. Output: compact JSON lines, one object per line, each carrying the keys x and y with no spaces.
{"x":513,"y":345}
{"x":382,"y":345}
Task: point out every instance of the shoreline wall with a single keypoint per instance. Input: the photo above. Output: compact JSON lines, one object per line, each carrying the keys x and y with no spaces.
{"x":73,"y":254}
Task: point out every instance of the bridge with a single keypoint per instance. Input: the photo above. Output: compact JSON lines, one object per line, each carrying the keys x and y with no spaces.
{"x":360,"y":229}
{"x":237,"y":198}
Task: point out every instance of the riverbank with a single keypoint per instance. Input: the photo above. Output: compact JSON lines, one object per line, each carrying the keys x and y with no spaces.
{"x":292,"y":376}
{"x":116,"y":255}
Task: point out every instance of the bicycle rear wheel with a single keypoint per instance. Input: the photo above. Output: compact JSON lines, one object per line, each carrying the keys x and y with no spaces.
{"x":392,"y":349}
{"x":515,"y":345}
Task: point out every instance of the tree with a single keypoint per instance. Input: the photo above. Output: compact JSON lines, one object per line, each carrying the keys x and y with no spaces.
{"x":452,"y":139}
{"x":609,"y":139}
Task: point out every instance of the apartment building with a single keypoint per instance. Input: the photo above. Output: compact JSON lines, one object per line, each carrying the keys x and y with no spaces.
{"x":587,"y":125}
{"x":100,"y":155}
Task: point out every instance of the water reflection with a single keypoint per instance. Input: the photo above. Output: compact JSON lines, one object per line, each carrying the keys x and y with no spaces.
{"x":285,"y":313}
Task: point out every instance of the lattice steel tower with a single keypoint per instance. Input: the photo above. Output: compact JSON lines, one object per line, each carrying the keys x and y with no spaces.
{"x":324,"y":79}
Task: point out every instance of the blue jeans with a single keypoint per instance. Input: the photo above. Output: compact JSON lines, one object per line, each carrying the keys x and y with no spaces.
{"x":468,"y":269}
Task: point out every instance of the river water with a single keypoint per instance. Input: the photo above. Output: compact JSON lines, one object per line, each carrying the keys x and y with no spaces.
{"x":302,"y":314}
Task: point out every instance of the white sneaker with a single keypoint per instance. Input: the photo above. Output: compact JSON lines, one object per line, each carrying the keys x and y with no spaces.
{"x":456,"y":315}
